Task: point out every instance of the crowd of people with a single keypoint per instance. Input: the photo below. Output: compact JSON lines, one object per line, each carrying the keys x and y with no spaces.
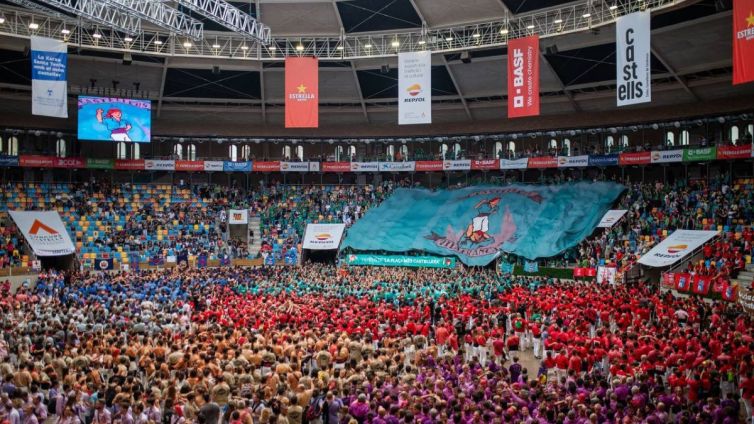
{"x":320,"y":344}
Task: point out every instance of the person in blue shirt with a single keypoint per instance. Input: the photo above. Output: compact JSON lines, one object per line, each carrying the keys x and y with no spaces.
{"x":115,"y":123}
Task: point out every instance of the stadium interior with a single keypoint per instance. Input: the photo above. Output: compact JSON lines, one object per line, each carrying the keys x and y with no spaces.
{"x":376,"y":211}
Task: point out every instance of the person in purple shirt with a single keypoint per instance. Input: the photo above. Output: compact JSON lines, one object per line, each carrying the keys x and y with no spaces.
{"x":331,"y":409}
{"x":359,"y":409}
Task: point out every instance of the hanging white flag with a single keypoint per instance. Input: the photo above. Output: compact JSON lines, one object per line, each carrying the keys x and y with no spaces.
{"x":414,"y":88}
{"x":49,"y":75}
{"x":634,"y":61}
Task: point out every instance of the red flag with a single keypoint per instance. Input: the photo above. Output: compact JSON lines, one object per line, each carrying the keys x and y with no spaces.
{"x":578,"y":272}
{"x":701,"y":284}
{"x":730,"y":293}
{"x":590,"y":272}
{"x":682,"y":281}
{"x":523,"y":77}
{"x":743,"y":41}
{"x":301,"y":92}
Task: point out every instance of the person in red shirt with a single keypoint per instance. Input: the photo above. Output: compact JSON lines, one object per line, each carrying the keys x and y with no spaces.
{"x":561,"y":364}
{"x":536,"y":338}
{"x":575,"y":363}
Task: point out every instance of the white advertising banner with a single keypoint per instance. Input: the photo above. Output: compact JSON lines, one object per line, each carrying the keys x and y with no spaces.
{"x":634,"y":64}
{"x":414,"y":88}
{"x":294,"y":166}
{"x":522,"y":163}
{"x":238,"y":216}
{"x":364,"y":166}
{"x":667,"y":156}
{"x":457,"y":165}
{"x":573,"y":161}
{"x":213,"y":166}
{"x":606,"y":275}
{"x":49,"y":77}
{"x":675,"y":247}
{"x":323,"y":236}
{"x":611,"y":218}
{"x":314,"y":166}
{"x":45,"y":232}
{"x":159,"y":165}
{"x":397,"y":166}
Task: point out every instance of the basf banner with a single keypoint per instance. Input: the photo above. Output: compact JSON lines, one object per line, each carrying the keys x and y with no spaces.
{"x":667,"y":156}
{"x":675,"y":247}
{"x":523,"y":77}
{"x":238,"y":216}
{"x":743,"y":41}
{"x":323,"y":236}
{"x":397,"y":166}
{"x":476,"y":224}
{"x":49,"y":73}
{"x":522,"y":163}
{"x":634,"y":64}
{"x":301,"y":92}
{"x":45,"y":232}
{"x":611,"y":218}
{"x":414,"y":88}
{"x":573,"y":161}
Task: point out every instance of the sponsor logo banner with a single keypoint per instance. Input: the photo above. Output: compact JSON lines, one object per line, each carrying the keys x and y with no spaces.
{"x":364,"y":166}
{"x":92,"y":163}
{"x":522,"y":163}
{"x":6,"y":160}
{"x":159,"y":165}
{"x":71,"y":163}
{"x":294,"y":166}
{"x":573,"y":161}
{"x":323,"y":236}
{"x":543,"y":162}
{"x":456,"y":165}
{"x":129,"y":164}
{"x":667,"y":156}
{"x":523,"y":77}
{"x":213,"y":165}
{"x":189,"y":165}
{"x":485,"y":164}
{"x":314,"y":166}
{"x":675,"y":247}
{"x":238,"y":216}
{"x":743,"y":41}
{"x":273,"y":166}
{"x":639,"y":158}
{"x":400,"y":260}
{"x":611,"y":218}
{"x":301,"y":92}
{"x":634,"y":64}
{"x":229,"y":166}
{"x":603,"y":160}
{"x":476,"y":224}
{"x":397,"y":166}
{"x":734,"y":152}
{"x":701,"y":154}
{"x":606,"y":275}
{"x":36,"y":161}
{"x":414,"y":88}
{"x":746,"y":298}
{"x":336,"y":167}
{"x":45,"y":232}
{"x":429,"y":165}
{"x":49,"y":69}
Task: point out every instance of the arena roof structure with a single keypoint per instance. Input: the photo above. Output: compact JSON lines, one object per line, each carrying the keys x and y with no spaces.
{"x":235,"y":80}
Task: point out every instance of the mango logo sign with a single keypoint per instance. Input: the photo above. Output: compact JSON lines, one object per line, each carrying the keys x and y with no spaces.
{"x":38,"y":225}
{"x":414,"y":90}
{"x":677,"y":248}
{"x":322,"y":236}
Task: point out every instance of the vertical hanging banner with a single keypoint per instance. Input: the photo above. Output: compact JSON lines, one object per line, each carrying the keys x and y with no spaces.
{"x":743,"y":41}
{"x":523,"y":77}
{"x":633,"y":64}
{"x":49,"y":85}
{"x":301,"y":92}
{"x":414,"y":88}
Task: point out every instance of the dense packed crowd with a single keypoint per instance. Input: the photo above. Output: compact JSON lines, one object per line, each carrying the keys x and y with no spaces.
{"x":317,"y":344}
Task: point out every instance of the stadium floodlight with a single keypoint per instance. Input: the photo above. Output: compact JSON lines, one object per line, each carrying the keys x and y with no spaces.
{"x":162,"y":15}
{"x":99,"y":12}
{"x":223,"y":13}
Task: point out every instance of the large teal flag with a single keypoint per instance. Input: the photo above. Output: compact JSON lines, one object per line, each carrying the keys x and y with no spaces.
{"x":476,"y":223}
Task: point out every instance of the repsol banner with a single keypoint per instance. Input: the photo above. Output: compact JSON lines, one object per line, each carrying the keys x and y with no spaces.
{"x":634,"y":71}
{"x":667,"y":156}
{"x":400,"y":260}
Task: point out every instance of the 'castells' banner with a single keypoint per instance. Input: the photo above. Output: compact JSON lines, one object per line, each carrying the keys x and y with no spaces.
{"x":49,"y":85}
{"x":743,"y":41}
{"x":414,"y":88}
{"x":477,"y":223}
{"x":400,"y":260}
{"x":523,"y":77}
{"x":634,"y":65}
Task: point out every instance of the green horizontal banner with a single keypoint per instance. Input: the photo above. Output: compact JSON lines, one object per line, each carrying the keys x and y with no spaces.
{"x":100,"y":163}
{"x":700,"y":155}
{"x":399,"y":260}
